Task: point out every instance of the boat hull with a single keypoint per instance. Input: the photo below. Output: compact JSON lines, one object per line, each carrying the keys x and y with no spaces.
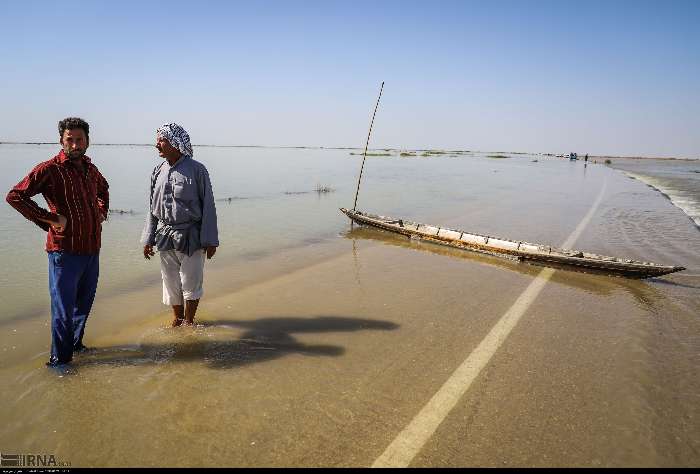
{"x":524,"y":251}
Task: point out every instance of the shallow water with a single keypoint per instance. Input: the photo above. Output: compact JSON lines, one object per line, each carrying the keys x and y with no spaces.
{"x":262,"y":216}
{"x":318,"y":341}
{"x":679,"y":180}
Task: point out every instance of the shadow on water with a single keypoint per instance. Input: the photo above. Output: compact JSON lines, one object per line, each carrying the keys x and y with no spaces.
{"x":210,"y":342}
{"x":674,"y":283}
{"x":589,"y":281}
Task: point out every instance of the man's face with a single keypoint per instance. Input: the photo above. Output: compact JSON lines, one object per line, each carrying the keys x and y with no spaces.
{"x":165,"y":149}
{"x":75,"y":143}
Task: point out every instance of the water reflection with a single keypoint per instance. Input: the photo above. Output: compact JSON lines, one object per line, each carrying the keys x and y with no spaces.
{"x":675,"y":283}
{"x":589,"y":281}
{"x":356,"y":264}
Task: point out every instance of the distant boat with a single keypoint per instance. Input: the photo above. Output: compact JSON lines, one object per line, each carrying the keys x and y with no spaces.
{"x":541,"y":254}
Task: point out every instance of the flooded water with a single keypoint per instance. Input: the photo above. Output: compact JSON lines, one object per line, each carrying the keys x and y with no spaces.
{"x":273,"y":204}
{"x":678,"y":180}
{"x":319,"y":341}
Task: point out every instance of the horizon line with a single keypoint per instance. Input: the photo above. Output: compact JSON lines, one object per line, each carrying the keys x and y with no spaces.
{"x":360,"y":148}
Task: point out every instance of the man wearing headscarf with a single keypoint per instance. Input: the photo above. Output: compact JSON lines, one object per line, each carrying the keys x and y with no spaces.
{"x":181,"y":222}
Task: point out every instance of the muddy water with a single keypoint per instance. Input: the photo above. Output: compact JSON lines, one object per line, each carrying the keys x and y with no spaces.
{"x":318,"y":351}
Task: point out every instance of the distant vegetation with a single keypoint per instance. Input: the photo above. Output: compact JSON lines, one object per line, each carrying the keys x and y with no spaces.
{"x":372,"y":154}
{"x":232,"y":198}
{"x":498,"y":156}
{"x":323,"y":189}
{"x":318,"y":189}
{"x":409,"y":153}
{"x":608,"y":162}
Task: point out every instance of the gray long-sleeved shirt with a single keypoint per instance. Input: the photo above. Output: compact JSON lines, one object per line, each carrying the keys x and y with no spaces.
{"x":182,"y":215}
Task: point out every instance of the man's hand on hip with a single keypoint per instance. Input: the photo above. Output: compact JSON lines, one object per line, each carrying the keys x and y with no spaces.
{"x":59,"y":224}
{"x":210,"y":252}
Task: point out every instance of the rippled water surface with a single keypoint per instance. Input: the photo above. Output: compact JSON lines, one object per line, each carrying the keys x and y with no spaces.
{"x":679,"y":180}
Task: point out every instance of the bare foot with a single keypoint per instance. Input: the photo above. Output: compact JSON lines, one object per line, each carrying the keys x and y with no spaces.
{"x":176,"y":322}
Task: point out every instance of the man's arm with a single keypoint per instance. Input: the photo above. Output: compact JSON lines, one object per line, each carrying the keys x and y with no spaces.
{"x":148,"y":236}
{"x":209,"y":234}
{"x":102,"y":196}
{"x":20,"y":197}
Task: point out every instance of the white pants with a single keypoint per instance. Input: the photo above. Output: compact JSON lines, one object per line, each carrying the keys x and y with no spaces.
{"x":183,"y":276}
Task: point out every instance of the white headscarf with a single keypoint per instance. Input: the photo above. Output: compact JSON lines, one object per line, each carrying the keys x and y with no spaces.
{"x":177,"y":136}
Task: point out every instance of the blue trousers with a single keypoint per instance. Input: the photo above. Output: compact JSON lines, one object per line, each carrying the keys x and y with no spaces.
{"x":72,"y":285}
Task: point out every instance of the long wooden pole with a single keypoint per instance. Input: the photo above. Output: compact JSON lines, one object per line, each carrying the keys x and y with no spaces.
{"x":364,"y":155}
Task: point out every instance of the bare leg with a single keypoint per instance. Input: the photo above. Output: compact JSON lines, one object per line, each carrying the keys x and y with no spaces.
{"x":190,"y":311}
{"x":178,"y":315}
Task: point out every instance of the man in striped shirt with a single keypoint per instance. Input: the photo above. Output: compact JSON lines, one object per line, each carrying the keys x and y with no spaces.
{"x":78,"y":201}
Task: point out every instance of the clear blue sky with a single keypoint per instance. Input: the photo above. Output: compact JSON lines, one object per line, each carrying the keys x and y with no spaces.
{"x":608,"y":77}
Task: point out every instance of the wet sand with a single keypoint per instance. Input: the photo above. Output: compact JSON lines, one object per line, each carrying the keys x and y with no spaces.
{"x":321,"y":355}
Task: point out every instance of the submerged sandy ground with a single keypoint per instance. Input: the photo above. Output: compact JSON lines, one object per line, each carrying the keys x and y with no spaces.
{"x":320,"y":356}
{"x":325,"y":365}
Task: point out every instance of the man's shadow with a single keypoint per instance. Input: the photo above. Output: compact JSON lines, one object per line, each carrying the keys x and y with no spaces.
{"x":262,"y":340}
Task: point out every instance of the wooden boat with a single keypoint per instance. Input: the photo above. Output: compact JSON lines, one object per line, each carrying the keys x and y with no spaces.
{"x":523,"y":251}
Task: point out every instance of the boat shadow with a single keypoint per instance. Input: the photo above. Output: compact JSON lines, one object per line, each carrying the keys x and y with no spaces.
{"x":227,"y":344}
{"x":674,"y":283}
{"x":588,"y":280}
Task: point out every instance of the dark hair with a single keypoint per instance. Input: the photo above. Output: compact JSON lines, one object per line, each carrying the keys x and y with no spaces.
{"x":72,"y":123}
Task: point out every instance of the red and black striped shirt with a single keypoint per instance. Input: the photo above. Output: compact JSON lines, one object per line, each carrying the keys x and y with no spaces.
{"x":81,"y":197}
